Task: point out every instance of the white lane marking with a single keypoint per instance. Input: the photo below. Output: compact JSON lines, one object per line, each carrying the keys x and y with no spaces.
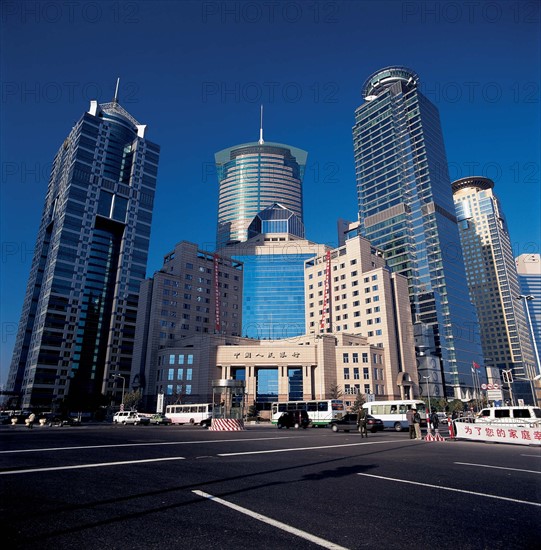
{"x":80,"y":466}
{"x":303,"y":448}
{"x":293,"y":530}
{"x":497,"y":467}
{"x":453,"y":490}
{"x":534,"y":456}
{"x":139,"y":445}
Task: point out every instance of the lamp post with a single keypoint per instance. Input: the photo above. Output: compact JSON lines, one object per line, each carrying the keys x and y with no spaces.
{"x":115,"y":376}
{"x":427,"y":378}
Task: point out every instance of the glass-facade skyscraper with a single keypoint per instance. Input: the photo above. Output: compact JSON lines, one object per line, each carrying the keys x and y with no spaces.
{"x":273,"y":302}
{"x":406,"y":209}
{"x":252,"y":177}
{"x":492,"y":278}
{"x":77,"y":326}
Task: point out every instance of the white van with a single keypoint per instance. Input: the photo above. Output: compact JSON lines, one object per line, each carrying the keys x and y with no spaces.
{"x":511,"y":415}
{"x":130,"y":417}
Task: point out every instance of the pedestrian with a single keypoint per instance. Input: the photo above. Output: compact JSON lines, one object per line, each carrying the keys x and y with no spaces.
{"x":417,"y":424}
{"x":409,"y":418}
{"x":434,"y":420}
{"x":361,"y":423}
{"x":30,"y":420}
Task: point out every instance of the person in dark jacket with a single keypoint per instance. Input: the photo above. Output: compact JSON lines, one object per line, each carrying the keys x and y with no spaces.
{"x":434,"y":420}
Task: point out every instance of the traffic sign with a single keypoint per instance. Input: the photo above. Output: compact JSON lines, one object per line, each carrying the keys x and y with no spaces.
{"x":483,"y":386}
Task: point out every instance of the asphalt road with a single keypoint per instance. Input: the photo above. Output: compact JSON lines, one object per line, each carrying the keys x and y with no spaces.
{"x":182,"y":487}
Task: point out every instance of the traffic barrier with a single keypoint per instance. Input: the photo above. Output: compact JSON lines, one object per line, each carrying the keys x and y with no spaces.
{"x":437,"y":437}
{"x":226,"y":425}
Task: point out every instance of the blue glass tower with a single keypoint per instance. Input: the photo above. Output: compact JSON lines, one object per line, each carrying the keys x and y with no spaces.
{"x":273,"y":293}
{"x":253,"y":177}
{"x":77,"y":326}
{"x":406,"y":208}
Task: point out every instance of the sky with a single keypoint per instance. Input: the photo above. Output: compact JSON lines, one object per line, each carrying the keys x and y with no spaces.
{"x":196,"y":74}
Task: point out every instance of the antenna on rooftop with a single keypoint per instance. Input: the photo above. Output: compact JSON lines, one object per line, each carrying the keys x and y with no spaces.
{"x":115,"y":99}
{"x":261,"y":127}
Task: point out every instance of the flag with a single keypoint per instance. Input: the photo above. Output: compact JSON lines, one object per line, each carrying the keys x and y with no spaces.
{"x":476,"y":365}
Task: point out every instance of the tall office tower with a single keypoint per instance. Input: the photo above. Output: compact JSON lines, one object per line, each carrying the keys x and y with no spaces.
{"x":273,"y":305}
{"x":529,"y":276}
{"x":78,"y":322}
{"x":350,"y":290}
{"x":492,"y":277}
{"x":406,"y":209}
{"x":195,"y":293}
{"x":253,"y":177}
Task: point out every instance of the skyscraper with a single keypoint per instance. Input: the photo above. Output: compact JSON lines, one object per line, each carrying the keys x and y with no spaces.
{"x":529,"y":277}
{"x":273,"y":303}
{"x":77,"y":326}
{"x":406,"y":209}
{"x":492,"y":277}
{"x":253,"y":177}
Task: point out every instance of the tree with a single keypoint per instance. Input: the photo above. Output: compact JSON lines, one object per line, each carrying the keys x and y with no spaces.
{"x":360,"y":400}
{"x":133,"y":399}
{"x":335,"y":392}
{"x":456,"y":406}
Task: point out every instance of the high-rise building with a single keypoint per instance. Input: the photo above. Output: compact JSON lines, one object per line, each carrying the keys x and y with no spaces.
{"x":253,"y":177}
{"x":350,"y":290}
{"x":273,"y":257}
{"x":406,"y":209}
{"x":77,"y":326}
{"x":195,"y":293}
{"x":529,"y":276}
{"x":492,"y":277}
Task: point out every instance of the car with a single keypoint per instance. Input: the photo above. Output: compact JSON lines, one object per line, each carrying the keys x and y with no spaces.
{"x":160,"y":419}
{"x":442,"y":417}
{"x":297,"y":418}
{"x":206,"y":423}
{"x":130,"y":417}
{"x":348,"y":423}
{"x":61,"y":420}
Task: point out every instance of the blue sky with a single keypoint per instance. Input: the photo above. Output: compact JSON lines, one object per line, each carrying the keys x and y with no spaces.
{"x":196,"y":73}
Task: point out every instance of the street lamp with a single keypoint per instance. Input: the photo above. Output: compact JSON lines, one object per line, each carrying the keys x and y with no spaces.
{"x":115,"y":376}
{"x":427,"y":378}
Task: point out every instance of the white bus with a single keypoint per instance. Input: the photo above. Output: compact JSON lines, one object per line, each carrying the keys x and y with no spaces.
{"x":393,"y":413}
{"x":320,"y":411}
{"x":189,"y":414}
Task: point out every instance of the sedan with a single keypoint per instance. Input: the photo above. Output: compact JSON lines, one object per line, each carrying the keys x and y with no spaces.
{"x":160,"y":419}
{"x":349,"y":423}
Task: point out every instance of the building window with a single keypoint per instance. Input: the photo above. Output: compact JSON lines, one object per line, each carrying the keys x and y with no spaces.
{"x":366,"y":373}
{"x":355,"y":357}
{"x":356,"y":373}
{"x":365,"y":357}
{"x":346,"y":374}
{"x":345,"y":357}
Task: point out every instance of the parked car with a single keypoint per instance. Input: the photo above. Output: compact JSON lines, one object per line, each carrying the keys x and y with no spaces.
{"x":515,"y":415}
{"x":294,"y":419}
{"x":160,"y":419}
{"x":130,"y":417}
{"x":349,"y":423}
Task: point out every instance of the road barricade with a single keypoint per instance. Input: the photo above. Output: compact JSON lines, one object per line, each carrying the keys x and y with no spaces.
{"x":516,"y":434}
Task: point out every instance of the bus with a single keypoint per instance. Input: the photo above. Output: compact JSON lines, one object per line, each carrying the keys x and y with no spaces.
{"x":320,"y":411}
{"x":189,"y":414}
{"x":393,"y":413}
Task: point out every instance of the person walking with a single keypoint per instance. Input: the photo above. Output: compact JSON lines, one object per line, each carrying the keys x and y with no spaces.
{"x":31,"y":420}
{"x":417,"y":424}
{"x":361,"y":423}
{"x":434,"y":420}
{"x":409,"y":418}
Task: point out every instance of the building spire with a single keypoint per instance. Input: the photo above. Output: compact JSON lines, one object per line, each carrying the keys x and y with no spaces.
{"x":115,"y":99}
{"x":261,"y":127}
